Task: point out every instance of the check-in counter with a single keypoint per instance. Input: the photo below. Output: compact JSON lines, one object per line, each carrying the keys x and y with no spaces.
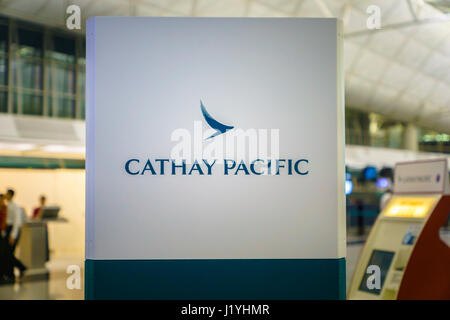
{"x":32,"y":248}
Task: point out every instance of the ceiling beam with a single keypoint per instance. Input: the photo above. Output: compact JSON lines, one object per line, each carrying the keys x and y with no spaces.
{"x":444,"y":18}
{"x":132,"y":8}
{"x":324,"y":9}
{"x":193,"y":8}
{"x":297,"y":8}
{"x":411,"y":10}
{"x":42,"y":7}
{"x":247,"y":7}
{"x":346,"y":14}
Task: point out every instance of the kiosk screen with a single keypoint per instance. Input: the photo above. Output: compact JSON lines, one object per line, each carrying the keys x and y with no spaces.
{"x":382,"y":259}
{"x":409,"y":207}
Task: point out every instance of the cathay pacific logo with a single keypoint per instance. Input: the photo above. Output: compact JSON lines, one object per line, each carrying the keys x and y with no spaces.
{"x":216,"y":125}
{"x":205,"y":149}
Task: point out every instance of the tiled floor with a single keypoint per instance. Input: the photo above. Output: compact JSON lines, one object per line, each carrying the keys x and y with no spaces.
{"x":54,"y":289}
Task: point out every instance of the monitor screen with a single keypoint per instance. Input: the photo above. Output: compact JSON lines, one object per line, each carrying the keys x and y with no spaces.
{"x":50,"y":213}
{"x":383,"y":260}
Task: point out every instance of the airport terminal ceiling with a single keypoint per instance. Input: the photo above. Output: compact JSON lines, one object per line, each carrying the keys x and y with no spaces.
{"x":400,"y":70}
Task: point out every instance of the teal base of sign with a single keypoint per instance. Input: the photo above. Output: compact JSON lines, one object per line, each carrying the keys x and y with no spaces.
{"x":218,"y":279}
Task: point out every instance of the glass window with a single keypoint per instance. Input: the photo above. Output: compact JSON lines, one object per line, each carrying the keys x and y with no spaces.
{"x":62,"y":77}
{"x":81,"y":90}
{"x":432,"y":141}
{"x":3,"y":39}
{"x":3,"y":71}
{"x":395,"y":136}
{"x":32,"y":104}
{"x":81,"y":80}
{"x":49,"y":106}
{"x":66,"y":108}
{"x":82,"y":53}
{"x":48,"y":68}
{"x":63,"y":49}
{"x":15,"y":102}
{"x":3,"y":101}
{"x":82,"y":108}
{"x":31,"y":72}
{"x":30,"y":43}
{"x":65,"y":89}
{"x":65,"y":78}
{"x":14,"y":70}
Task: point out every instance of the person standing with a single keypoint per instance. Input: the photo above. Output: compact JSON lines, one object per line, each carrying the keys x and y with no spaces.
{"x":6,"y":267}
{"x":37,"y":215}
{"x":14,"y":222}
{"x":3,"y":212}
{"x":37,"y":212}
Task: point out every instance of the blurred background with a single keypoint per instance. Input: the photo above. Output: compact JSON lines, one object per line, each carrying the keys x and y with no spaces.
{"x":397,"y":101}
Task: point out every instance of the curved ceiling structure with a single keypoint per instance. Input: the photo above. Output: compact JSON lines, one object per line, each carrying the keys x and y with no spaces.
{"x":401,"y":70}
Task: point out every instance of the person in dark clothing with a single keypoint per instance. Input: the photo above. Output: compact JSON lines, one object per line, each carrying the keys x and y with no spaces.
{"x":14,"y":222}
{"x":6,"y":263}
{"x":12,"y":247}
{"x":37,"y":212}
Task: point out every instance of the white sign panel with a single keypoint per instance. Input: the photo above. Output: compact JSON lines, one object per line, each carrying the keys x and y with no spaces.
{"x":421,"y":176}
{"x":214,"y":139}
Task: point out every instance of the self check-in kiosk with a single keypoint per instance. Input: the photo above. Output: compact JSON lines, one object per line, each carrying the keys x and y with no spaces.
{"x":404,"y":249}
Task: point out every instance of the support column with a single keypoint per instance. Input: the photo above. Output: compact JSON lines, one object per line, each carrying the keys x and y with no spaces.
{"x":411,"y":137}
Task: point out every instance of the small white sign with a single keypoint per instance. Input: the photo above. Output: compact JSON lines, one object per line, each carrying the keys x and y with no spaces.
{"x":421,"y":176}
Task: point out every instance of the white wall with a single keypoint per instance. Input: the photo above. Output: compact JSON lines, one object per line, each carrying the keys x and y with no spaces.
{"x":62,"y":187}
